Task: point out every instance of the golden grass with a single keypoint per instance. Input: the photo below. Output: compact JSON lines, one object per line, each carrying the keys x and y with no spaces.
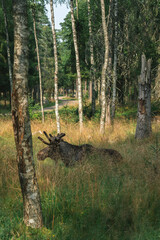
{"x":127,"y":192}
{"x":119,"y":137}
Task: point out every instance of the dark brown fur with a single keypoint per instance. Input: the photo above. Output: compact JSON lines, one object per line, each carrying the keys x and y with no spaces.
{"x":70,"y":154}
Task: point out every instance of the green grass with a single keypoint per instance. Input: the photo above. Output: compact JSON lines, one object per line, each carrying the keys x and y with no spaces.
{"x":96,"y":200}
{"x":92,"y":201}
{"x":4,"y":109}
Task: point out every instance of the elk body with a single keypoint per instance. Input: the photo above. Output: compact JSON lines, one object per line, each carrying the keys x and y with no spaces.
{"x":57,"y":149}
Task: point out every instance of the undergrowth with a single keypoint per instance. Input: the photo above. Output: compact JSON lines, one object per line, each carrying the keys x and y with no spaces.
{"x":95,"y":200}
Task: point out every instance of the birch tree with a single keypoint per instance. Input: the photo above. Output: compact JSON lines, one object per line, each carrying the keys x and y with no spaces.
{"x":8,"y":48}
{"x":92,"y":69}
{"x":56,"y":67}
{"x":115,"y":59}
{"x":105,"y":65}
{"x":144,"y":100}
{"x":77,"y":67}
{"x":108,"y":92}
{"x":32,"y":214}
{"x":38,"y":59}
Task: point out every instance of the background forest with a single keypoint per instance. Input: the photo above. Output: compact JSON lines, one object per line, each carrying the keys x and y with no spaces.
{"x":95,"y":200}
{"x":137,"y":33}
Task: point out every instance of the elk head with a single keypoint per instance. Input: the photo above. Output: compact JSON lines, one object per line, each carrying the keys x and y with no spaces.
{"x":52,"y":151}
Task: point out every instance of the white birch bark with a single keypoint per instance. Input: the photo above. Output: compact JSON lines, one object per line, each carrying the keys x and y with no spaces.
{"x":77,"y":67}
{"x":39,"y":65}
{"x":32,"y":214}
{"x":108,"y":97}
{"x":144,"y":100}
{"x":99,"y":90}
{"x":8,"y":48}
{"x":92,"y":70}
{"x":108,"y":115}
{"x":105,"y":65}
{"x":115,"y":60}
{"x":56,"y":68}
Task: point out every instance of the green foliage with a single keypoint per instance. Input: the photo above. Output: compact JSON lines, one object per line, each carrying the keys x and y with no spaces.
{"x":34,"y":109}
{"x":69,"y":114}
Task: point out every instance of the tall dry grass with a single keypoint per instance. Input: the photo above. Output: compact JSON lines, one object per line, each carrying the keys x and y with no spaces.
{"x":96,"y":199}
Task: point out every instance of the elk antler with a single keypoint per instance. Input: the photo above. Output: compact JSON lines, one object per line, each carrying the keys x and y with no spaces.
{"x":51,"y":138}
{"x":44,"y":141}
{"x":60,"y":135}
{"x":47,"y":136}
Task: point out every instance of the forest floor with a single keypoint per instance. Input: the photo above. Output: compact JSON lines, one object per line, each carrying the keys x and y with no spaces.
{"x":63,"y":101}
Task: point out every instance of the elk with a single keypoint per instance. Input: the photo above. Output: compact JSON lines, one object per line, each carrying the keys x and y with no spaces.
{"x":57,"y":149}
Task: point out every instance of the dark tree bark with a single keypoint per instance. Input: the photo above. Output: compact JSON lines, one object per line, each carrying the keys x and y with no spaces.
{"x":8,"y":48}
{"x":157,"y":80}
{"x":115,"y":60}
{"x":21,"y":123}
{"x":144,"y":100}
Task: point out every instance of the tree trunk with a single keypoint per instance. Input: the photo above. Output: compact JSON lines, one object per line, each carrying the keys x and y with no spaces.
{"x":99,"y":90}
{"x":56,"y":68}
{"x":144,"y":100}
{"x":77,"y":8}
{"x":115,"y":61}
{"x":157,"y":80}
{"x":8,"y":48}
{"x":77,"y":67}
{"x":20,"y":117}
{"x":39,"y":64}
{"x":92,"y":70}
{"x":105,"y":65}
{"x":85,"y":87}
{"x":90,"y":90}
{"x":108,"y":115}
{"x":108,"y":97}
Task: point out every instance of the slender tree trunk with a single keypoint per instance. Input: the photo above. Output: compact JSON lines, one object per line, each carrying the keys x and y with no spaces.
{"x":99,"y":90}
{"x":20,"y":117}
{"x":105,"y":65}
{"x":85,"y":87}
{"x":8,"y":48}
{"x":39,"y":64}
{"x":144,"y":100}
{"x":90,"y":90}
{"x":92,"y":70}
{"x":77,"y":67}
{"x":115,"y":60}
{"x":108,"y":97}
{"x":56,"y":68}
{"x":76,"y":88}
{"x":108,"y":115}
{"x":157,"y":80}
{"x":77,"y":8}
